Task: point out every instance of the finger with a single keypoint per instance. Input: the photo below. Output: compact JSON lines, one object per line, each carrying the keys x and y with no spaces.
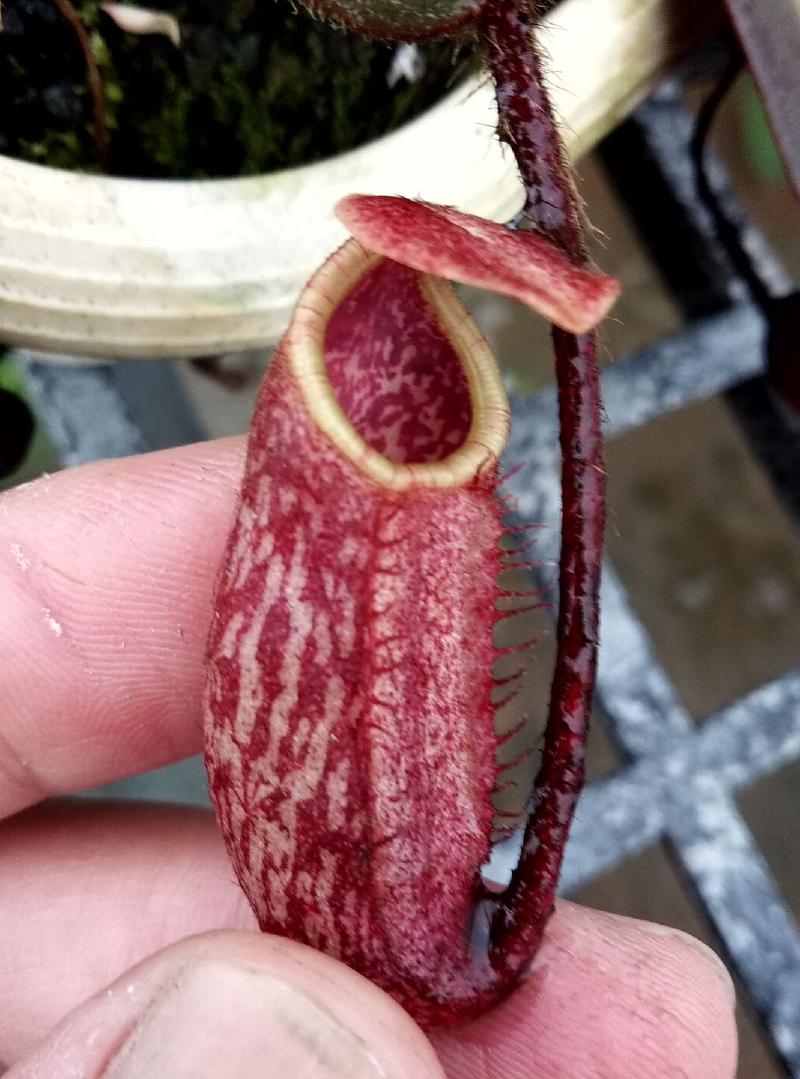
{"x":230,"y":1005}
{"x":608,"y":996}
{"x":87,"y":890}
{"x":106,"y":575}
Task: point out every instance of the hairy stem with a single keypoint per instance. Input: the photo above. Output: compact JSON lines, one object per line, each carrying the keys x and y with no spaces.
{"x":528,"y":125}
{"x":66,"y":9}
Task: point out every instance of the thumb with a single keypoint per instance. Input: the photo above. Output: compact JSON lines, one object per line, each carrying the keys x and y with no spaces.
{"x":232,"y":1005}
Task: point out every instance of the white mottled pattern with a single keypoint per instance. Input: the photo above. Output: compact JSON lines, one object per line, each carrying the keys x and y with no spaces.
{"x":348,"y":721}
{"x":251,"y":692}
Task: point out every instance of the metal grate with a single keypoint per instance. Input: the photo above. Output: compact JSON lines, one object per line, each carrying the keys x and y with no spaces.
{"x":680,"y":780}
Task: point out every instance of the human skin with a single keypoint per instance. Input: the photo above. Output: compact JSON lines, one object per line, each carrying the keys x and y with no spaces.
{"x":106,"y":576}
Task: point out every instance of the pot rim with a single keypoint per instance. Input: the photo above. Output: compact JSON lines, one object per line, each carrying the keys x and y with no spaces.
{"x":117,"y":267}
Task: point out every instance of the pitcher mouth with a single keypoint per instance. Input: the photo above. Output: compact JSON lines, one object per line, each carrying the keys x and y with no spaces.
{"x":454,"y":449}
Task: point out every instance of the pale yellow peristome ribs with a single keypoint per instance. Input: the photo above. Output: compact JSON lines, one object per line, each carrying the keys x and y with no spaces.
{"x":488,"y":433}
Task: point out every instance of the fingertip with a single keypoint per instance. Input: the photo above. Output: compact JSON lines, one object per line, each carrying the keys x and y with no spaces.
{"x":673,"y":998}
{"x":607,"y":995}
{"x":700,"y":964}
{"x":231,"y":1004}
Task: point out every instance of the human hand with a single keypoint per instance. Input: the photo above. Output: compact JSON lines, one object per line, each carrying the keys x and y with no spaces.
{"x":106,"y":575}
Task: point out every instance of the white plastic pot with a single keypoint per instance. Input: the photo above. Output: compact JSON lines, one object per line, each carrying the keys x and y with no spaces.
{"x":95,"y":266}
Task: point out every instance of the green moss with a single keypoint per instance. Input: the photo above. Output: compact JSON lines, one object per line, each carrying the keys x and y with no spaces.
{"x":253,"y":88}
{"x":59,"y":150}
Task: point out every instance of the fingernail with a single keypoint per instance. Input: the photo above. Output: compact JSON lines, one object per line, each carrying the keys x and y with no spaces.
{"x":227,"y":1020}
